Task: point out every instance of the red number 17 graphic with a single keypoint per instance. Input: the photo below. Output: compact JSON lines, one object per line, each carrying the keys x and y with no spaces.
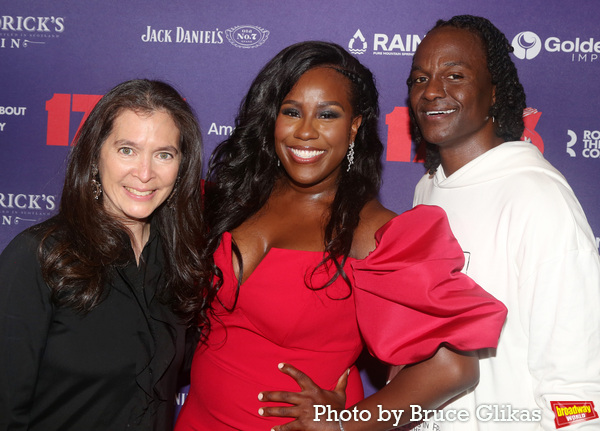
{"x":59,"y":115}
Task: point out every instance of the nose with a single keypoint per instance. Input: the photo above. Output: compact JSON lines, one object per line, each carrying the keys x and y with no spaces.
{"x":144,"y":169}
{"x":306,"y":130}
{"x":434,"y":88}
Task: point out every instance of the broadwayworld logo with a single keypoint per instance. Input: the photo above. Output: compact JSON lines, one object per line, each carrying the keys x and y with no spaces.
{"x":569,"y":412}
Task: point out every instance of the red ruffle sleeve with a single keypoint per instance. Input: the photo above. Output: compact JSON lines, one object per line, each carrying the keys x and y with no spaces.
{"x":411,"y":296}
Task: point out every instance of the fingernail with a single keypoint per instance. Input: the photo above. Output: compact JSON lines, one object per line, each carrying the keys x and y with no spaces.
{"x":280,"y":366}
{"x":260,"y":411}
{"x":260,"y":396}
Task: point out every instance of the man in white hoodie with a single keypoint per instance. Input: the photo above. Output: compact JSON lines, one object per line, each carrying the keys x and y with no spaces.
{"x":525,"y":237}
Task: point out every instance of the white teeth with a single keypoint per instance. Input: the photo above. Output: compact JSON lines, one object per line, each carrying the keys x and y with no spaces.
{"x":449,"y":111}
{"x":306,"y":154}
{"x":138,"y":193}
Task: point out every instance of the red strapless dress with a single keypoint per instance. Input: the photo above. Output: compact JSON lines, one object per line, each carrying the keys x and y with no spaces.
{"x":408,"y":297}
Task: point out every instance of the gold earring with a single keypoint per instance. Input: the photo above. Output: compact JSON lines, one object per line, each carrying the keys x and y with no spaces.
{"x":96,"y":186}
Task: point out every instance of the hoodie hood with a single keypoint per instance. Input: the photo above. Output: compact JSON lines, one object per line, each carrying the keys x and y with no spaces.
{"x":507,"y":159}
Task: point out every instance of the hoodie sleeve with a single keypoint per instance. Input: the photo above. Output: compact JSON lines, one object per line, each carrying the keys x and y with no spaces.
{"x":559,"y":306}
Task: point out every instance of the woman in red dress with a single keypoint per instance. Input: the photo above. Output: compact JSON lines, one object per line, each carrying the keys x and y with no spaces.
{"x":310,"y":267}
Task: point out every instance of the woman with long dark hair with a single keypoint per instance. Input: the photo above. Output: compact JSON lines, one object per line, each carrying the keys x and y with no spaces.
{"x":95,"y":302}
{"x":293,"y":214}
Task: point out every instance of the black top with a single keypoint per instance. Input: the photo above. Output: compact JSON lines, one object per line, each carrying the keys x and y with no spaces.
{"x":114,"y":368}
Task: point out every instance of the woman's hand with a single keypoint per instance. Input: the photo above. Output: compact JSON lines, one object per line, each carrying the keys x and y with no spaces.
{"x":303,"y":403}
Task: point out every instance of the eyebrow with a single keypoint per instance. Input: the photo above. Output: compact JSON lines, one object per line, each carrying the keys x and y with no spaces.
{"x":456,"y":63}
{"x":446,"y":64}
{"x":129,"y":143}
{"x":320,"y":104}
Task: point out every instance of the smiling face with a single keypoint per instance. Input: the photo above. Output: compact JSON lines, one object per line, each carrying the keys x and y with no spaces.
{"x":451,"y":91}
{"x":315,"y":127}
{"x":138,"y":165}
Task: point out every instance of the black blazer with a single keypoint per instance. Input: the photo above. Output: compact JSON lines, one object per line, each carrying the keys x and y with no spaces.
{"x":114,"y":368}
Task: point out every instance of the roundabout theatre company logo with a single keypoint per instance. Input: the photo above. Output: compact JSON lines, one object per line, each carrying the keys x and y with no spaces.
{"x":591,"y":144}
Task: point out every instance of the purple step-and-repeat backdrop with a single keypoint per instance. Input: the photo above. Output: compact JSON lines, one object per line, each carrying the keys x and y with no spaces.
{"x":58,"y":58}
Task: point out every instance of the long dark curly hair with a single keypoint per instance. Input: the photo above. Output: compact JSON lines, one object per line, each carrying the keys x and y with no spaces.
{"x":243,"y":169}
{"x":510,"y":96}
{"x":83,"y":243}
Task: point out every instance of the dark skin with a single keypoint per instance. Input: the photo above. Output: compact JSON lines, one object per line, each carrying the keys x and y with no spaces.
{"x":313,"y":131}
{"x":315,"y":117}
{"x":451,"y":95}
{"x":429,"y":384}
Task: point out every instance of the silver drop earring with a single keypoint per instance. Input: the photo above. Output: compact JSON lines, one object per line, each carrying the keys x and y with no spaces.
{"x":350,"y":156}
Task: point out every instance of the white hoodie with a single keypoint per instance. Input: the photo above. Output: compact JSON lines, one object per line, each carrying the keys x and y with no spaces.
{"x":527,"y":242}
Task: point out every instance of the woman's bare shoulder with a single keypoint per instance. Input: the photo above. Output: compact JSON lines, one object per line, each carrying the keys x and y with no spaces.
{"x":372,"y":217}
